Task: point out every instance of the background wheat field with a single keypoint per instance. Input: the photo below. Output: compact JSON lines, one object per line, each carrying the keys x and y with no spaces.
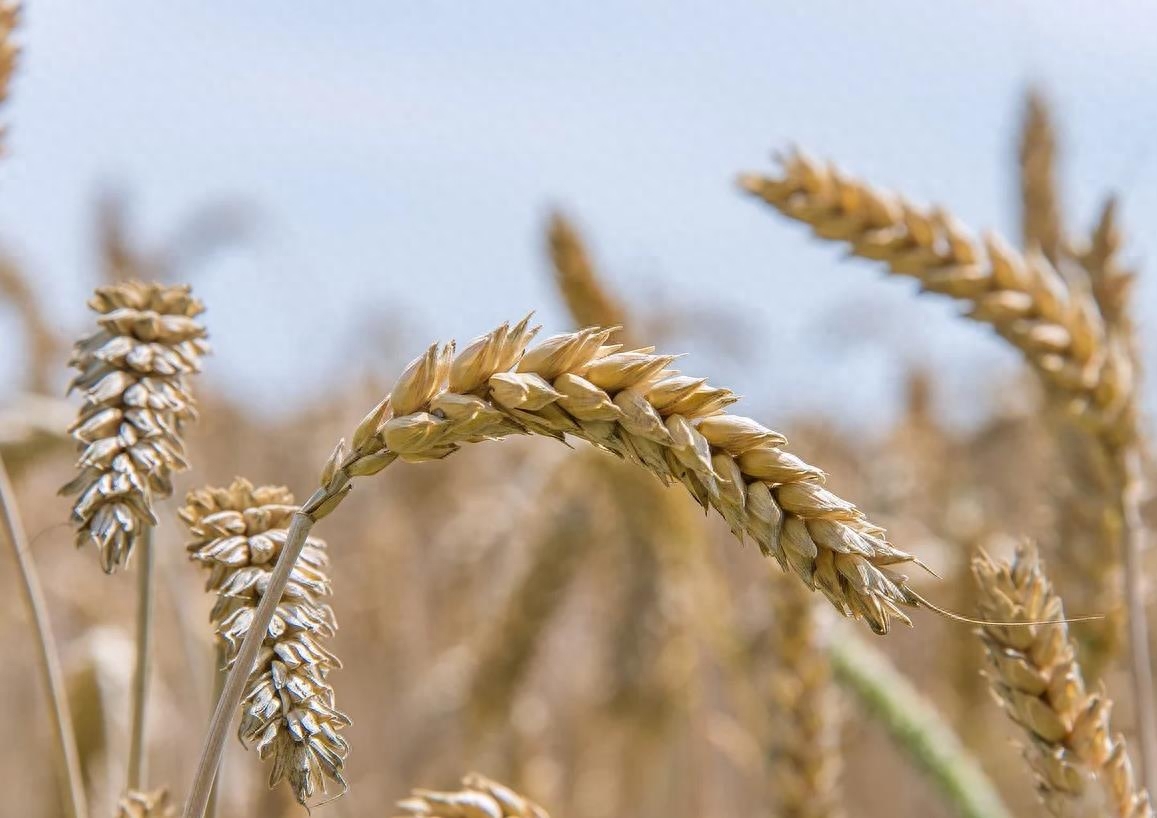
{"x":905,"y":574}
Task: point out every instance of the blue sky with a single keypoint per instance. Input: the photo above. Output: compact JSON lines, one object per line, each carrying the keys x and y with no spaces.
{"x":401,"y":157}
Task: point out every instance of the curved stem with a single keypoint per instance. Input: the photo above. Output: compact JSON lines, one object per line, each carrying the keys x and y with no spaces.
{"x":49,"y":657}
{"x":140,"y":695}
{"x":218,"y":685}
{"x":1133,"y":537}
{"x":234,"y":687}
{"x":916,"y":727}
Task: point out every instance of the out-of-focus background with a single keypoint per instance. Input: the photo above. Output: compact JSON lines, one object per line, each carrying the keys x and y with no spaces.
{"x":344,"y":184}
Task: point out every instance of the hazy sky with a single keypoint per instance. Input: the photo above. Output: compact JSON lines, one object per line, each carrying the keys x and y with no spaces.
{"x":402,"y":155}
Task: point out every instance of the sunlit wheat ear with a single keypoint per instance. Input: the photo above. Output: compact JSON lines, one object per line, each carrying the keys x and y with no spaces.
{"x":631,"y":404}
{"x":1038,"y":681}
{"x":288,"y":711}
{"x":1060,"y":332}
{"x":479,"y":798}
{"x":154,"y":804}
{"x":133,"y":376}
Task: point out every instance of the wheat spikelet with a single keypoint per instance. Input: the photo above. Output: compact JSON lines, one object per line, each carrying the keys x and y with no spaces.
{"x":1036,"y":677}
{"x":589,"y":301}
{"x":138,"y":804}
{"x":133,"y":373}
{"x":288,"y":708}
{"x":479,"y":798}
{"x":630,"y":403}
{"x":1021,"y":296}
{"x":803,"y":753}
{"x":1041,"y":225}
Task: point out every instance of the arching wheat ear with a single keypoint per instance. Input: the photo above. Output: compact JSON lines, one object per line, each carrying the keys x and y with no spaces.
{"x":137,"y":804}
{"x":288,"y":711}
{"x":1038,"y":681}
{"x":132,"y":372}
{"x":479,"y":798}
{"x":628,"y":403}
{"x":1021,"y":296}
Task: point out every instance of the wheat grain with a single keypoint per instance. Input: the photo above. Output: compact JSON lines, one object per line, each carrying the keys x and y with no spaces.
{"x":479,"y":798}
{"x":1041,"y":224}
{"x":138,"y":804}
{"x":132,"y":371}
{"x":288,"y":711}
{"x":1022,"y":297}
{"x":1038,"y":681}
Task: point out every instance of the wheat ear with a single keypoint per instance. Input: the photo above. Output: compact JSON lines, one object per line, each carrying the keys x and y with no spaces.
{"x":133,"y":375}
{"x":589,"y":301}
{"x":1041,"y":225}
{"x":1024,"y":299}
{"x":803,"y":710}
{"x":289,"y":713}
{"x":9,"y":53}
{"x":479,"y":797}
{"x":145,"y":804}
{"x":630,"y":404}
{"x":1036,"y":677}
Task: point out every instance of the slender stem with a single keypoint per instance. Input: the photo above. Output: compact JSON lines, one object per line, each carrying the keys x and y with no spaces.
{"x":1133,"y":537}
{"x":144,"y":656}
{"x":49,"y":657}
{"x":218,"y":686}
{"x":234,"y":686}
{"x":916,"y":727}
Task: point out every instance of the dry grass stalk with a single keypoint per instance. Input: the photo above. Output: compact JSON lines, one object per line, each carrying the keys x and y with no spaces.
{"x":590,"y":303}
{"x":1036,"y":677}
{"x":133,"y":373}
{"x":288,"y":711}
{"x":479,"y":798}
{"x":1021,"y":296}
{"x":1041,"y":224}
{"x":138,"y":804}
{"x":804,"y":715}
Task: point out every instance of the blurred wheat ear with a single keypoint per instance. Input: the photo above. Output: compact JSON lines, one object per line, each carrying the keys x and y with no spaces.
{"x":479,"y":798}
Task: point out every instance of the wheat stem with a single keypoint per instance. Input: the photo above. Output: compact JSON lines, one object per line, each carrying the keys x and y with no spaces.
{"x":140,"y":692}
{"x":1133,"y":537}
{"x":49,"y":656}
{"x":219,"y":656}
{"x":917,"y":728}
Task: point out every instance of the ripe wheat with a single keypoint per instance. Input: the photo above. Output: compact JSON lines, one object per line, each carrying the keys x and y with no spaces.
{"x":1041,"y":225}
{"x":133,"y":373}
{"x":479,"y":798}
{"x":632,"y":404}
{"x":288,"y":711}
{"x":1022,"y":297}
{"x":1038,"y":681}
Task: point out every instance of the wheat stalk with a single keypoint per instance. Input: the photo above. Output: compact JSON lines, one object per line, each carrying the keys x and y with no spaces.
{"x":289,"y":713}
{"x":629,"y":403}
{"x":479,"y":797}
{"x":1038,"y":681}
{"x":145,"y":804}
{"x":917,"y":728}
